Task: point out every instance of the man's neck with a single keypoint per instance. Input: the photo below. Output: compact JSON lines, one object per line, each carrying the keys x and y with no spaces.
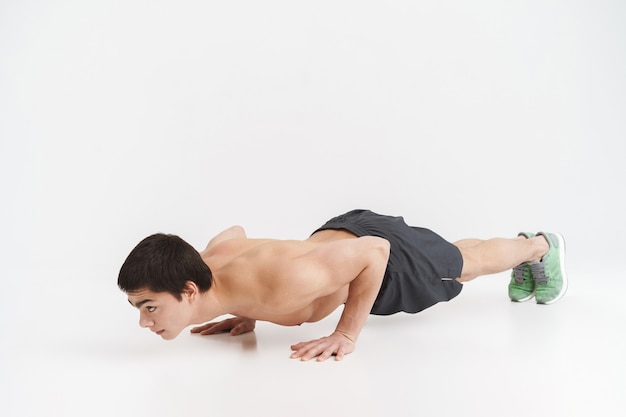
{"x":208,"y":307}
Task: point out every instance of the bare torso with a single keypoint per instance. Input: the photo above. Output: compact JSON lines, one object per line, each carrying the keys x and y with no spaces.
{"x":247,"y":278}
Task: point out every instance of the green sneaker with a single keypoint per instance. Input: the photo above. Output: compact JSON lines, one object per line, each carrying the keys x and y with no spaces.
{"x":549,"y":273}
{"x":522,"y":285}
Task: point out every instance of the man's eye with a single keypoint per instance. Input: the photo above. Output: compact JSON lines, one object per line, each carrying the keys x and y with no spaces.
{"x":150,"y":309}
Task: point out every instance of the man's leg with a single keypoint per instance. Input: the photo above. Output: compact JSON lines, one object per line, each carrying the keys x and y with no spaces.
{"x":484,"y":257}
{"x":467,"y":243}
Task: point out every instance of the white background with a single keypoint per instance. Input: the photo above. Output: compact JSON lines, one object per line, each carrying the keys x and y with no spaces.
{"x":119,"y":119}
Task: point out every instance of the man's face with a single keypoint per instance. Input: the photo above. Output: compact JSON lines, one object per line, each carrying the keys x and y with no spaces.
{"x":161,"y":312}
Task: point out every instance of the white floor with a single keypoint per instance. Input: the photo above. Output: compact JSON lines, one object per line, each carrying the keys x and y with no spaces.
{"x":476,"y":119}
{"x":74,"y":348}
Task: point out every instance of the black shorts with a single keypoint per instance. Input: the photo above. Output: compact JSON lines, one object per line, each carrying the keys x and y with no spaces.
{"x":422,"y":265}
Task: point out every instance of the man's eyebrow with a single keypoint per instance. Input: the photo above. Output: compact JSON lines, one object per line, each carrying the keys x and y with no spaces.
{"x":139,"y":304}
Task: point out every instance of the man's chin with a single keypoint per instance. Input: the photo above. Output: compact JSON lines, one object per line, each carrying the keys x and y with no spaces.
{"x":166,"y":335}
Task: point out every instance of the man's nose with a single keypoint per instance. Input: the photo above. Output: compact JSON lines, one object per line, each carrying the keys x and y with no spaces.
{"x":145,"y":321}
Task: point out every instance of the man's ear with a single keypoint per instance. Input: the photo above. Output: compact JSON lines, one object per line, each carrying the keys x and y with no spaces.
{"x":191,"y":290}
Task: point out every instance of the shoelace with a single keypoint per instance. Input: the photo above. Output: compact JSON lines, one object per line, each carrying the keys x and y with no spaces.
{"x":539,"y":272}
{"x":518,"y":274}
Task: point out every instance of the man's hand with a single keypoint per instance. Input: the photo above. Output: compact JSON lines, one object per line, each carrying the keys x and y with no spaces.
{"x":336,"y":344}
{"x":235,"y":325}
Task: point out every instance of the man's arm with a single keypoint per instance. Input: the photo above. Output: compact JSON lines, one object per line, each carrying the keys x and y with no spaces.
{"x":362,"y":262}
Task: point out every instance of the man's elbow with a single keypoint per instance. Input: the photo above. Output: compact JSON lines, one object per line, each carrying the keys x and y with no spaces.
{"x":380,"y":246}
{"x":237,"y":232}
{"x":385,"y":247}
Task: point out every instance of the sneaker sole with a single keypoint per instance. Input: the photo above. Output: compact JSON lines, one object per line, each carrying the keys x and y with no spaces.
{"x":521,"y":300}
{"x":563,"y":274}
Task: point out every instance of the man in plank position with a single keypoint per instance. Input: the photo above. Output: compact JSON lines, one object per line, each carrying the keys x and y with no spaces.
{"x":370,"y":263}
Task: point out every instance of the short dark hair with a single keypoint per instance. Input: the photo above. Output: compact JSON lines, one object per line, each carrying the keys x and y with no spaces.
{"x":164,"y":263}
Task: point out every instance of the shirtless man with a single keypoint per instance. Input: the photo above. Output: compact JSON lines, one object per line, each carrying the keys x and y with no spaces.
{"x":370,"y":263}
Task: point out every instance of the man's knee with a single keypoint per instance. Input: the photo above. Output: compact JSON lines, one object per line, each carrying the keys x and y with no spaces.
{"x":470,"y":268}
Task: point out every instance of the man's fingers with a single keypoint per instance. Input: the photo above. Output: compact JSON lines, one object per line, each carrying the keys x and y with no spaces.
{"x":201,"y":328}
{"x":339,"y":355}
{"x":322,"y":348}
{"x":240,"y":329}
{"x":326,"y":354}
{"x":300,"y":349}
{"x":309,"y":350}
{"x":235,"y":326}
{"x":333,"y":350}
{"x":310,"y":353}
{"x":297,"y":346}
{"x":216,"y":328}
{"x":211,"y":328}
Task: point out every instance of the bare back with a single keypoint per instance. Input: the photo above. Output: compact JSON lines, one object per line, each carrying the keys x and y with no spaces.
{"x":286,"y":282}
